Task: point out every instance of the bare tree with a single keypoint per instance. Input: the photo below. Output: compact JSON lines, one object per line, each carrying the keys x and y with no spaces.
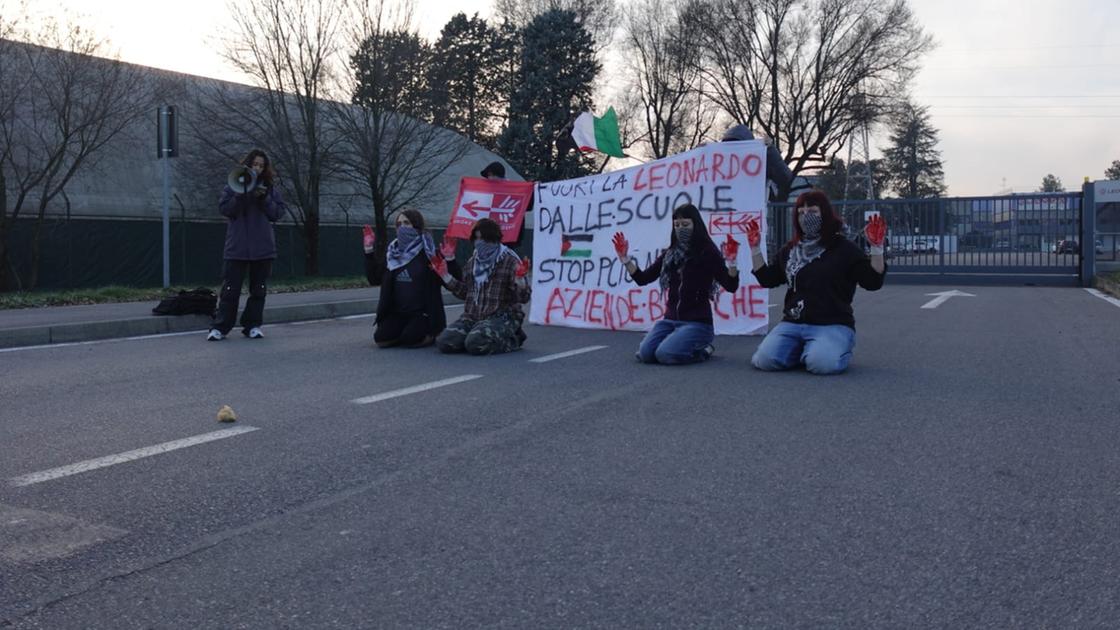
{"x":64,"y":104}
{"x":807,"y":73}
{"x":290,"y":48}
{"x":665,"y":70}
{"x":388,"y":149}
{"x":12,"y":83}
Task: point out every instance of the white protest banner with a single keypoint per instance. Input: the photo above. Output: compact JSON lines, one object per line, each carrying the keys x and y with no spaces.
{"x":579,"y":282}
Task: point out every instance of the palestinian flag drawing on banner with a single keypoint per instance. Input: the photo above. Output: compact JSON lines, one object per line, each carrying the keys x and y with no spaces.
{"x":569,"y":249}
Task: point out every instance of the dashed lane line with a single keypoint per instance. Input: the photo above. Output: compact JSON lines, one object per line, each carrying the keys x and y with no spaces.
{"x":416,"y":389}
{"x":120,"y":458}
{"x":564,"y":355}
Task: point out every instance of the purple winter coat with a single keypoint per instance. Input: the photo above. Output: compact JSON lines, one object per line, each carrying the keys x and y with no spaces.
{"x":249,"y":233}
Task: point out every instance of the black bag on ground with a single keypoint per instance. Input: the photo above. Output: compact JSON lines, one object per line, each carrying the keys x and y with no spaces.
{"x":201,"y":301}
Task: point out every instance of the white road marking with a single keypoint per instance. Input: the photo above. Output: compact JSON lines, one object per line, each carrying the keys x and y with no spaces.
{"x":564,"y":355}
{"x":200,"y":331}
{"x":326,"y":319}
{"x":415,"y":389}
{"x":111,"y":460}
{"x":1104,"y":296}
{"x":943,"y":296}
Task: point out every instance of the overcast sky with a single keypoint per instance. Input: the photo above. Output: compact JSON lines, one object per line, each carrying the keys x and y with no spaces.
{"x":1016,"y":89}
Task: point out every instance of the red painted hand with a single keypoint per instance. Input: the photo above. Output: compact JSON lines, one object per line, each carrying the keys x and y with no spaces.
{"x":754,"y":233}
{"x":447,"y":247}
{"x":522,"y":267}
{"x":730,"y":249}
{"x":876,"y":231}
{"x":621,"y":245}
{"x":439,"y":265}
{"x":368,"y":238}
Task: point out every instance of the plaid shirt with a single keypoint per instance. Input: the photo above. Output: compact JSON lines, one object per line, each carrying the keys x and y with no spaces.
{"x":500,"y":292}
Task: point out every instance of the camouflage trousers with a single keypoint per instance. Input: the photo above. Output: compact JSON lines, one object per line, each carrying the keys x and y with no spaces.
{"x":496,"y":334}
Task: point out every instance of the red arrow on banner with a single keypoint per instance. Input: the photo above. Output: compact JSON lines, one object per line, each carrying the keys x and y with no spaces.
{"x":476,"y":209}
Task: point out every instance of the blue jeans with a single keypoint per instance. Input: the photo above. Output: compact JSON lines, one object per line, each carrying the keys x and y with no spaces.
{"x":674,"y":343}
{"x":821,"y":349}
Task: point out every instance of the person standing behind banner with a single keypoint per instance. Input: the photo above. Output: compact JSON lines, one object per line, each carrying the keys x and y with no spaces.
{"x":493,"y":170}
{"x":779,"y":177}
{"x":822,"y":268}
{"x":493,"y":288}
{"x":250,"y":247}
{"x":690,"y":272}
{"x":410,"y":305}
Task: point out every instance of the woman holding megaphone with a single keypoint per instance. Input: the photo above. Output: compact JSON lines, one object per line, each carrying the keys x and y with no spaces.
{"x":251,"y":204}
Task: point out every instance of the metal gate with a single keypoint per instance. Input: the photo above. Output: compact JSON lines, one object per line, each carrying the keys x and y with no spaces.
{"x":1015,"y":239}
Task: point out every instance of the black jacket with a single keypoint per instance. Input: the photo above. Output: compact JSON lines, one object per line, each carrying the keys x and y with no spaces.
{"x":249,"y":234}
{"x":690,"y":285}
{"x":429,"y":284}
{"x":823,"y":290}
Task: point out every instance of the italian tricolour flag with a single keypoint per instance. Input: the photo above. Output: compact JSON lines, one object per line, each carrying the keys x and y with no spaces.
{"x":598,"y":134}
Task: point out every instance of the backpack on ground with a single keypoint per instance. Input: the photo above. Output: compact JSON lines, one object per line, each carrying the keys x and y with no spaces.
{"x":201,"y":301}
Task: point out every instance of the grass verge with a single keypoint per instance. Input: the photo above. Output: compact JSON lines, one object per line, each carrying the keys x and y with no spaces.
{"x":1108,"y":283}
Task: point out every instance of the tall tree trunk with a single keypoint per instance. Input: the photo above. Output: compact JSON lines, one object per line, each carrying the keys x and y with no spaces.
{"x":311,"y":244}
{"x":36,"y":247}
{"x":9,"y":279}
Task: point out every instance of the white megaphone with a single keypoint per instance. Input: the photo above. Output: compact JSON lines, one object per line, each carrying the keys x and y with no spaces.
{"x":242,"y":179}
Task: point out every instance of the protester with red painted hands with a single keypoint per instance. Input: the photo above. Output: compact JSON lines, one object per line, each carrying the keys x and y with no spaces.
{"x":493,"y":287}
{"x":822,"y":268}
{"x":410,"y":306}
{"x":690,"y":273}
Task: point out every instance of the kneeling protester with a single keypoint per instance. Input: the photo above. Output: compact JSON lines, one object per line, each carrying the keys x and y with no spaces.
{"x":493,"y":288}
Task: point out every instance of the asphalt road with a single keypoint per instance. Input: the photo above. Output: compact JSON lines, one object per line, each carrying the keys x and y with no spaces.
{"x":964,"y":473}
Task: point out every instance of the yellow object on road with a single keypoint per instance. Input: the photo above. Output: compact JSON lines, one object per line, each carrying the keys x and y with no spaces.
{"x":226,"y":414}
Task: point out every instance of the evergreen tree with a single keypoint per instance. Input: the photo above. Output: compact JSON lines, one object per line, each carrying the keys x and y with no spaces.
{"x":507,"y":54}
{"x":1051,"y":183}
{"x":1113,"y":172}
{"x":391,"y":70}
{"x":554,"y":83}
{"x":912,"y":162}
{"x":467,"y":79}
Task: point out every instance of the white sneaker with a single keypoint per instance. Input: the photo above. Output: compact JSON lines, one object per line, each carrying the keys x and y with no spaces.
{"x":255,"y":333}
{"x":214,"y":335}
